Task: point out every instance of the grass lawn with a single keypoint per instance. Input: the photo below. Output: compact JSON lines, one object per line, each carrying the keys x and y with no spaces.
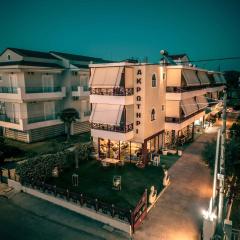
{"x":48,"y":145}
{"x":96,"y":181}
{"x":169,"y":160}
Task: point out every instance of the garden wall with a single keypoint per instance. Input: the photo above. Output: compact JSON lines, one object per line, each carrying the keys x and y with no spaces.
{"x":115,"y":223}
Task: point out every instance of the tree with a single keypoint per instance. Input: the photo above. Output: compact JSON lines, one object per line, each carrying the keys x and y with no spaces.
{"x":68,"y":116}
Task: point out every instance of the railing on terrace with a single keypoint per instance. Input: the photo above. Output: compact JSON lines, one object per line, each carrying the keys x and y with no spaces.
{"x":112,"y":128}
{"x":8,"y":89}
{"x":42,"y":89}
{"x":5,"y":118}
{"x":181,"y":119}
{"x":119,"y":91}
{"x":42,"y":118}
{"x":85,"y":88}
{"x":82,"y":200}
{"x":87,"y":113}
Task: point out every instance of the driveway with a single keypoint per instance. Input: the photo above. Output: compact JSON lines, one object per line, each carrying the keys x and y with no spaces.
{"x":177,"y":214}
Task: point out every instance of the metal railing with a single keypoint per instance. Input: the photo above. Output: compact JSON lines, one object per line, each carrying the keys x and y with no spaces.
{"x":113,"y":128}
{"x":5,"y":118}
{"x":82,"y":200}
{"x":42,"y":89}
{"x":119,"y":91}
{"x":8,"y":89}
{"x":181,"y":119}
{"x":85,"y":88}
{"x":42,"y":118}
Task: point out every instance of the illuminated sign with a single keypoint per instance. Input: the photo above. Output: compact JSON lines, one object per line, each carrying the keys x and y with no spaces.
{"x":138,"y":90}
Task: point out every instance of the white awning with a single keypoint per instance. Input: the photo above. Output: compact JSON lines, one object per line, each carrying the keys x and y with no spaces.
{"x":190,"y":77}
{"x":106,"y":114}
{"x":189,"y":106}
{"x":105,"y":77}
{"x":201,"y":102}
{"x":217,"y":78}
{"x":203,"y":77}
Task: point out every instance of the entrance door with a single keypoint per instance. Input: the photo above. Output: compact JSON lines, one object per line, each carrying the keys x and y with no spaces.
{"x":49,"y":110}
{"x":47,"y":83}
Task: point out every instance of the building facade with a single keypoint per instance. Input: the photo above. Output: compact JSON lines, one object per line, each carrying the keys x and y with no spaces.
{"x":139,"y":108}
{"x":36,"y":86}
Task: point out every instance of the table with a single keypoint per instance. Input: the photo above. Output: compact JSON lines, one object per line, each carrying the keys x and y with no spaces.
{"x":111,"y":161}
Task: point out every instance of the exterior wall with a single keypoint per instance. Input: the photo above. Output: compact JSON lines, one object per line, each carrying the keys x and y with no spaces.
{"x":174,"y":77}
{"x":154,"y":99}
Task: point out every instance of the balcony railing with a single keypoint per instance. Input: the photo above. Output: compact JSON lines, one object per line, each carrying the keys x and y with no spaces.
{"x":8,"y":89}
{"x":43,"y":118}
{"x":181,"y":119}
{"x":119,"y":91}
{"x":113,"y":128}
{"x":5,"y":118}
{"x":85,"y":88}
{"x":42,"y":89}
{"x":87,"y":113}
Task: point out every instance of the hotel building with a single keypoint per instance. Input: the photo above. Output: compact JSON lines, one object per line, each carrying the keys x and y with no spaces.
{"x":138,"y":108}
{"x":36,"y":86}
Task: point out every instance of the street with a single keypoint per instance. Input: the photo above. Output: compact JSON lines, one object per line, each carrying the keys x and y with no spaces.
{"x":28,"y":218}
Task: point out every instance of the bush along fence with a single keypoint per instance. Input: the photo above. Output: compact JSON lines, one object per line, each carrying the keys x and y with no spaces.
{"x":131,"y":217}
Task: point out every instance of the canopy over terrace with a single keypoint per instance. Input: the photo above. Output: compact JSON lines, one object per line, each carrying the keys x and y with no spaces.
{"x":106,"y":77}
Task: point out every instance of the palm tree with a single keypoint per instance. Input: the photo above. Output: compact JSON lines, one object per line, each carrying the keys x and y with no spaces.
{"x":68,"y":116}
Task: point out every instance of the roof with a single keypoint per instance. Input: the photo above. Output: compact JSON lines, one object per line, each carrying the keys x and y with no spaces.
{"x":29,"y":63}
{"x":81,"y":65}
{"x":30,"y":53}
{"x":75,"y":57}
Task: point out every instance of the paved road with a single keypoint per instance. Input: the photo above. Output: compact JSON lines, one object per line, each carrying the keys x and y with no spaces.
{"x":24,"y":217}
{"x":177,"y":214}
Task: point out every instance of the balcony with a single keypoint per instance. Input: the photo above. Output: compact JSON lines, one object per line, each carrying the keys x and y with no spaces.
{"x":5,"y":118}
{"x":42,"y":118}
{"x":105,"y":131}
{"x":119,"y":96}
{"x":80,"y":91}
{"x":32,"y":93}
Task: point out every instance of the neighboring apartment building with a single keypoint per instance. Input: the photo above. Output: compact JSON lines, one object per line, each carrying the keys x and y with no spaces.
{"x":36,"y":86}
{"x":138,"y":108}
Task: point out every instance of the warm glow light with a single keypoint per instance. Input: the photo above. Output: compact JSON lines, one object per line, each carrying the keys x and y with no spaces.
{"x":208,"y":215}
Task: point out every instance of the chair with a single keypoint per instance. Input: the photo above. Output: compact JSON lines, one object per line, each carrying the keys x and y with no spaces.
{"x":117,"y":182}
{"x":156,"y":161}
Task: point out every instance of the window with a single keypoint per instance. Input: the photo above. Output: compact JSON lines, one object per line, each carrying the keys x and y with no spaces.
{"x":75,"y":98}
{"x":153,"y":117}
{"x":154,"y":80}
{"x":1,"y":78}
{"x":9,"y":57}
{"x":162,"y":107}
{"x":163,"y":75}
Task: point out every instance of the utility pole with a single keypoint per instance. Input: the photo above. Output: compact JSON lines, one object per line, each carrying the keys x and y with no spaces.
{"x":222,"y":160}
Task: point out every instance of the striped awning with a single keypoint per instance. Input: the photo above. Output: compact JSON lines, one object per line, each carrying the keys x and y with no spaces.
{"x":191,"y":77}
{"x":201,"y":102}
{"x":189,"y":106}
{"x":105,"y":77}
{"x":106,"y":114}
{"x":203,"y":77}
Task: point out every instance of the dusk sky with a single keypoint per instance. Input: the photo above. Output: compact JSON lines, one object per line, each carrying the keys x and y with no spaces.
{"x":117,"y":30}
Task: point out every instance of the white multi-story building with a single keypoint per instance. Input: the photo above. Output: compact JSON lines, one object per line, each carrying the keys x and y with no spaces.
{"x":36,"y":86}
{"x":138,"y":108}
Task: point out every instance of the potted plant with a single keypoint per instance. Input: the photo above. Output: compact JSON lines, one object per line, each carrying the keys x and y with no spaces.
{"x":164,"y":151}
{"x":180,"y":151}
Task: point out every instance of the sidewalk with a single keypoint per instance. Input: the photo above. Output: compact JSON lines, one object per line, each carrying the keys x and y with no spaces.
{"x":177,"y":215}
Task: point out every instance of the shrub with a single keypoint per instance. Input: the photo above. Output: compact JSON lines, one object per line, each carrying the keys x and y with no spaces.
{"x":40,"y":168}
